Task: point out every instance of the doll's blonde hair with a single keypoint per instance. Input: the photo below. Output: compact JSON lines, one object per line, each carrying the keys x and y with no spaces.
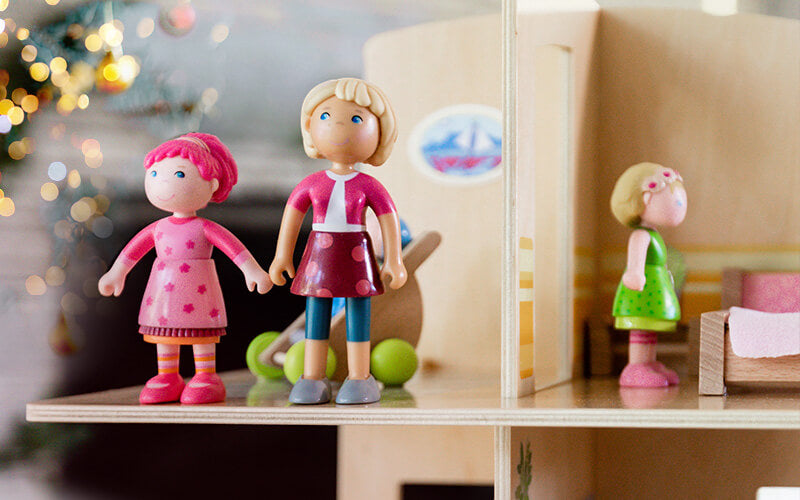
{"x":627,"y":198}
{"x":362,"y":93}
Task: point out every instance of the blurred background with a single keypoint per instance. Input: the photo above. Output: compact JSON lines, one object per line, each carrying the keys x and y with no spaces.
{"x":86,"y":90}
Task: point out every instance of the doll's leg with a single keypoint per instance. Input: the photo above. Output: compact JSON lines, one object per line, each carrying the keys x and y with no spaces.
{"x":360,"y":387}
{"x":168,"y":384}
{"x":358,"y":326}
{"x":318,"y":329}
{"x":313,"y":387}
{"x":205,"y":386}
{"x":643,"y":350}
{"x":640,"y":371}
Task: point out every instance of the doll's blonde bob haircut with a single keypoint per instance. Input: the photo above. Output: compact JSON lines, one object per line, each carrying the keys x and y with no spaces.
{"x":362,"y":93}
{"x":627,"y":199}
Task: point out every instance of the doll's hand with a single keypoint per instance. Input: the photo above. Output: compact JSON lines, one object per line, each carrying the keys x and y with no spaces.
{"x":396,"y":271}
{"x":276,"y":270}
{"x":634,"y":280}
{"x":255,"y":277}
{"x":111,"y":283}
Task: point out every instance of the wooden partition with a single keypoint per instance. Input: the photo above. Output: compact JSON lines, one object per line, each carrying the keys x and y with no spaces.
{"x":425,"y":69}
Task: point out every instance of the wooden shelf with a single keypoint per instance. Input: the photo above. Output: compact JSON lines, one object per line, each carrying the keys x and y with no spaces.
{"x":446,"y":398}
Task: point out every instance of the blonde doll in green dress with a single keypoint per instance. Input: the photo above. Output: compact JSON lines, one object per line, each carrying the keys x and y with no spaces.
{"x":645,"y":197}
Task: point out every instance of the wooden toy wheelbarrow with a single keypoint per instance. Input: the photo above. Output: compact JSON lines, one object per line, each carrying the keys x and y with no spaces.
{"x":396,"y":314}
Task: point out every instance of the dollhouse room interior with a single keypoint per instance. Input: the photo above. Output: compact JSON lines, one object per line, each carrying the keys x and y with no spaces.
{"x":500,"y":364}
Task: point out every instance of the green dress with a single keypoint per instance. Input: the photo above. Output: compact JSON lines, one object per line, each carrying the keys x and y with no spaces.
{"x":656,"y":307}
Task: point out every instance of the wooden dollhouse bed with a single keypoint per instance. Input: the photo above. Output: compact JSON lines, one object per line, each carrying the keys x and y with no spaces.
{"x":766,"y":304}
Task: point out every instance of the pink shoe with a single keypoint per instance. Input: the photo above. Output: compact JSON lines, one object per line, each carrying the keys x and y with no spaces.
{"x":203,"y":388}
{"x":163,"y":388}
{"x":642,"y":375}
{"x":672,"y":377}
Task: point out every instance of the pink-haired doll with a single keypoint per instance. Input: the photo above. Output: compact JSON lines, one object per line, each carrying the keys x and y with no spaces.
{"x":183,"y":303}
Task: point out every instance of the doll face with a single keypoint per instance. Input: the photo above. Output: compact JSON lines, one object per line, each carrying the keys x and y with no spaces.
{"x":174,"y":185}
{"x":666,"y":208}
{"x":344,"y":132}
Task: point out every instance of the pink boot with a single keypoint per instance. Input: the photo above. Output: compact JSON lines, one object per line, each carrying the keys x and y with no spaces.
{"x":163,"y":388}
{"x":642,"y":375}
{"x":203,"y":388}
{"x":672,"y":377}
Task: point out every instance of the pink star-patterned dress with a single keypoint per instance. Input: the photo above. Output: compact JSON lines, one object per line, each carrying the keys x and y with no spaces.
{"x":338,"y":260}
{"x":183,"y":297}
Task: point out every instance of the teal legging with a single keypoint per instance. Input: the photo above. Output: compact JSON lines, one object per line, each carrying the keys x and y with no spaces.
{"x":318,"y":318}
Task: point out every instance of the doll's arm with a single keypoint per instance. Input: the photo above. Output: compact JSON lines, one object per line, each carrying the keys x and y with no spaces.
{"x":114,"y":280}
{"x":392,"y":250}
{"x":287,"y":239}
{"x":254,"y":276}
{"x":637,"y":254}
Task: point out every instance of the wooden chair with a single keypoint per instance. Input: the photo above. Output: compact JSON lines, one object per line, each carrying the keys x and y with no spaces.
{"x":718,"y":363}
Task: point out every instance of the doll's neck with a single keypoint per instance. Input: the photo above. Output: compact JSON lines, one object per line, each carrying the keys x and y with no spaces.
{"x":343,"y":168}
{"x":184,"y":215}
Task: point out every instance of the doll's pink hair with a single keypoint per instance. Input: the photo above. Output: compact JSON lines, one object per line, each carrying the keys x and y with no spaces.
{"x":212,"y":159}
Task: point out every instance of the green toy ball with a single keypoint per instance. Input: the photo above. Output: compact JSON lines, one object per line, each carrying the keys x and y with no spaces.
{"x":294,"y":361}
{"x":256,"y":347}
{"x":393,"y":362}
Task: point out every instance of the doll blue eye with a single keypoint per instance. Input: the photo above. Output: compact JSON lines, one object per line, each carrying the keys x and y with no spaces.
{"x":356,"y":119}
{"x":179,"y":174}
{"x":153,"y":173}
{"x":324,"y":116}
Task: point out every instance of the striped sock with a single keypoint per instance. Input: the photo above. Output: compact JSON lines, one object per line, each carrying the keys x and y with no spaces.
{"x":168,"y":357}
{"x":205,"y":358}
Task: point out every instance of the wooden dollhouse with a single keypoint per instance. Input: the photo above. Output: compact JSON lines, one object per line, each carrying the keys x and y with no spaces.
{"x":528,"y":257}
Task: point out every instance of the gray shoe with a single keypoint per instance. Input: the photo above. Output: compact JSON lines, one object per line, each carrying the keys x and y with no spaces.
{"x":310,"y":392}
{"x":355,"y":392}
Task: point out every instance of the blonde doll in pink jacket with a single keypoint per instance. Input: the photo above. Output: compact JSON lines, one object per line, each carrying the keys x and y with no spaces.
{"x":182,"y":304}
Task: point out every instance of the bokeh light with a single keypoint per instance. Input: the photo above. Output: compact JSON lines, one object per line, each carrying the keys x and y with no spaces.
{"x":94,"y":161}
{"x":74,"y":179}
{"x":111,"y":34}
{"x":28,"y":53}
{"x":5,"y":106}
{"x":5,"y":124}
{"x":72,"y":304}
{"x":52,"y":2}
{"x":30,"y":103}
{"x":57,"y":171}
{"x":16,"y":115}
{"x":80,"y":211}
{"x":23,"y":33}
{"x":58,"y":65}
{"x":6,"y":207}
{"x":3,"y":5}
{"x":18,"y":94}
{"x":29,"y":143}
{"x":40,"y":71}
{"x":93,"y":42}
{"x":219,"y":33}
{"x":102,"y":203}
{"x":102,"y":227}
{"x":35,"y":285}
{"x":49,"y":191}
{"x":55,"y":276}
{"x":66,"y":103}
{"x":16,"y":150}
{"x":83,"y":101}
{"x":145,"y":27}
{"x":90,"y":147}
{"x":3,"y":39}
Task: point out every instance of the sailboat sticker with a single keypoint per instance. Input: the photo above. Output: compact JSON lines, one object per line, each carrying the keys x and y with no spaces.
{"x":459,"y":143}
